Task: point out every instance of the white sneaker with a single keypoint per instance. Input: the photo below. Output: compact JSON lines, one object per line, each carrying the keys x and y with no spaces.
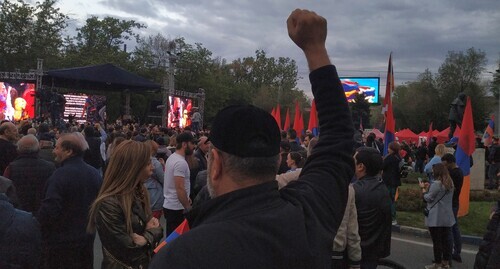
{"x":433,"y":266}
{"x":394,"y":222}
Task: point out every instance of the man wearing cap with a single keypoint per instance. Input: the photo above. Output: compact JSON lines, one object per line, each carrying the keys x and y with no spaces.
{"x":249,"y":223}
{"x":177,"y":185}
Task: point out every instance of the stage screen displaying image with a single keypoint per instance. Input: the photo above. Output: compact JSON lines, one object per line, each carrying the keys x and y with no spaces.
{"x":179,"y":112}
{"x":17,"y":101}
{"x":367,"y":85}
{"x":85,"y":108}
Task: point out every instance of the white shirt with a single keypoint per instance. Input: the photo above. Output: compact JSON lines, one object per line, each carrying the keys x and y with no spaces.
{"x":176,"y":166}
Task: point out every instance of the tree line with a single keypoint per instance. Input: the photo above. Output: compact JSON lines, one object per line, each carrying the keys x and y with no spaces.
{"x":32,"y":31}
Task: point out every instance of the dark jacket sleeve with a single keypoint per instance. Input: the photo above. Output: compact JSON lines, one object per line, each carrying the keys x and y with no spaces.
{"x":111,"y":225}
{"x":494,"y":260}
{"x":51,"y":206}
{"x":327,"y":172}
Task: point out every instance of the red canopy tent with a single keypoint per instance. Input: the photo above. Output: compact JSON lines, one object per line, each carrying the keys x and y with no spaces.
{"x":407,"y":135}
{"x":376,"y":131}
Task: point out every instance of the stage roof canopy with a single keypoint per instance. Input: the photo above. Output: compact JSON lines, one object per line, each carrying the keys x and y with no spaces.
{"x":98,"y":77}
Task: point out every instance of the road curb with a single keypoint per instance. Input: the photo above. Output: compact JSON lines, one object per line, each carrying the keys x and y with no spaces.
{"x":466,"y":239}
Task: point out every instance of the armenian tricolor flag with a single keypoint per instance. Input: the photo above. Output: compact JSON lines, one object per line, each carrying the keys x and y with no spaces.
{"x":488,"y":133}
{"x":390,"y":124}
{"x":465,"y":148}
{"x":181,"y":229}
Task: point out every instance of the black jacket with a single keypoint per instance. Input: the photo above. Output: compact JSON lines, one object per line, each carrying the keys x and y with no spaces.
{"x":63,"y":214}
{"x":488,"y":256}
{"x":19,"y":237}
{"x":390,"y":168}
{"x":261,"y":227}
{"x":93,"y":154}
{"x":116,"y":243}
{"x":373,"y":205}
{"x":29,"y":174}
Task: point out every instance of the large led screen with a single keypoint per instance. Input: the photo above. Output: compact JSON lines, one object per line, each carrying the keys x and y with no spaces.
{"x":85,"y":108}
{"x":17,"y":101}
{"x":367,"y":85}
{"x":179,"y":112}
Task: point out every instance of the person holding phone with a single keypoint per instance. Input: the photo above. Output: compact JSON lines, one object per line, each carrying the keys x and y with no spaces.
{"x":440,"y":219}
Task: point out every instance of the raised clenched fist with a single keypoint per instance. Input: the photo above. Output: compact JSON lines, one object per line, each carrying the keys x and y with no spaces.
{"x":307,"y":30}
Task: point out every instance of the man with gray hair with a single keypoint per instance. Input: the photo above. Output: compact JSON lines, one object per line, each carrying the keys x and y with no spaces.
{"x":8,"y":138}
{"x":63,"y":214}
{"x":29,"y":173}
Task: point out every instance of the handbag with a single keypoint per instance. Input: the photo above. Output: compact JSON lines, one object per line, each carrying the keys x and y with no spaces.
{"x":426,"y":210}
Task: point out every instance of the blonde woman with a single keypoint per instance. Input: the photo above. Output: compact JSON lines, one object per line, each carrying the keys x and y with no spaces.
{"x":439,"y":219}
{"x":121,"y":213}
{"x":440,"y":150}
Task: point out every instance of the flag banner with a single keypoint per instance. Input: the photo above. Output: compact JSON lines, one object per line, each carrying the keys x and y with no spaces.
{"x":390,"y":124}
{"x":465,"y":148}
{"x":181,"y":229}
{"x":278,"y":115}
{"x":488,"y":133}
{"x":313,"y":119}
{"x":296,"y":119}
{"x":287,"y":120}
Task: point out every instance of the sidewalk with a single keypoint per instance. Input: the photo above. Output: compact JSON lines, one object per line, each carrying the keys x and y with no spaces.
{"x":466,"y":239}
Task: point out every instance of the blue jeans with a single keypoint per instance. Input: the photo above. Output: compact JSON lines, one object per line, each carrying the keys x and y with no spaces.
{"x":455,"y":238}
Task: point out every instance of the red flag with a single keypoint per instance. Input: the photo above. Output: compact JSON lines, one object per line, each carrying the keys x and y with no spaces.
{"x":287,"y":120}
{"x":429,"y":134}
{"x":273,"y":113}
{"x":296,"y":119}
{"x":278,"y":115}
{"x":301,"y":125}
{"x":313,"y":118}
{"x":467,"y":139}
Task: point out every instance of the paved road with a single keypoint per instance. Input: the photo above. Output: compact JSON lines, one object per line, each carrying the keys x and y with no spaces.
{"x":411,"y":251}
{"x":414,"y":252}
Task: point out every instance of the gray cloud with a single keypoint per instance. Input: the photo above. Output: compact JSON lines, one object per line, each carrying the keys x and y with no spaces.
{"x":362,"y":33}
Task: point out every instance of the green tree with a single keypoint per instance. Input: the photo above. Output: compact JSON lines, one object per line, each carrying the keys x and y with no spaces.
{"x":416,"y":104}
{"x":495,"y":86}
{"x":101,"y":41}
{"x":30,"y":32}
{"x":461,"y":72}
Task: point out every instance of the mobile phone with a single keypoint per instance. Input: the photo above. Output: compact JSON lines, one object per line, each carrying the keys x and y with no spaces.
{"x":419,"y":180}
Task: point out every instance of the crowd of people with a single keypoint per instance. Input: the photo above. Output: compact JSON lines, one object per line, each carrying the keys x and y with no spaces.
{"x":265,"y":198}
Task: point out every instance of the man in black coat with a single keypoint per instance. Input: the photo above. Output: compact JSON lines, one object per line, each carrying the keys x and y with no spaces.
{"x":29,"y":173}
{"x":249,"y":223}
{"x":63,"y":214}
{"x":373,"y":206}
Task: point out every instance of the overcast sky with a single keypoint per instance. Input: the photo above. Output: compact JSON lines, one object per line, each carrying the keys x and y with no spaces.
{"x":361,"y":34}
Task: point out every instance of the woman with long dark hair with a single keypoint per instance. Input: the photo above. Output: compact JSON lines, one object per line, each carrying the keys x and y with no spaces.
{"x":121,"y":213}
{"x":439,"y":218}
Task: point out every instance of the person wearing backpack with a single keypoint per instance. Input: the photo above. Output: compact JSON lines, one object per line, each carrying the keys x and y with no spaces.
{"x":391,"y":175}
